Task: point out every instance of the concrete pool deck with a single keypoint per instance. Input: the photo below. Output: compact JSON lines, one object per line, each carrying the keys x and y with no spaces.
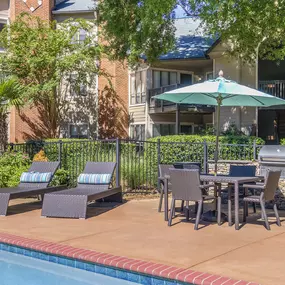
{"x":136,"y":230}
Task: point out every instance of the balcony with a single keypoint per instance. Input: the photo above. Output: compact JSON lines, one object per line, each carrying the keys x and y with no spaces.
{"x":160,"y":106}
{"x":273,"y":87}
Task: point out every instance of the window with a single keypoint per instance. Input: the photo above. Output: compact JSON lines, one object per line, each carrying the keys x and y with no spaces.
{"x":137,"y":132}
{"x":209,"y":75}
{"x":79,"y":131}
{"x":77,"y":88}
{"x":79,"y":37}
{"x":138,"y":87}
{"x":164,"y":78}
{"x":163,"y":129}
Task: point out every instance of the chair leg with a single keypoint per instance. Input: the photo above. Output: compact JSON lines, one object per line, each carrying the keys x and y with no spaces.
{"x":160,"y":200}
{"x":172,"y":211}
{"x":182,"y":206}
{"x":277,"y":215}
{"x":244,"y":211}
{"x":198,"y":216}
{"x":254,"y":207}
{"x":196,"y":207}
{"x":219,"y":209}
{"x":187,"y":211}
{"x":262,"y":204}
{"x":230,"y":206}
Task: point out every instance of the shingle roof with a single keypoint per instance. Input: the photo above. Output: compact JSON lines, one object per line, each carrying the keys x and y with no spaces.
{"x":191,"y":41}
{"x":74,"y":6}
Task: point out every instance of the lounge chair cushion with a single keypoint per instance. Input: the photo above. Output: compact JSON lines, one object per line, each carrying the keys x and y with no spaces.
{"x":86,"y":178}
{"x":36,"y":177}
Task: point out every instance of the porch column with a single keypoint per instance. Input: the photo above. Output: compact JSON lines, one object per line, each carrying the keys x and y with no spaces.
{"x":177,"y":121}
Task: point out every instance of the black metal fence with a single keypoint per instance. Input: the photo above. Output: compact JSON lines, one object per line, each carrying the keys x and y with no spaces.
{"x":137,"y":161}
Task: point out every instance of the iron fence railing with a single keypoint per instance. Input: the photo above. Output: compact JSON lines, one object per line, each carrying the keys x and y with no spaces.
{"x":137,"y":161}
{"x":273,"y":87}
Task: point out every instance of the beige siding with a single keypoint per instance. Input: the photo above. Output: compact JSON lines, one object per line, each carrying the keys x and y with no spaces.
{"x":242,"y":73}
{"x":4,"y":9}
{"x":137,"y":114}
{"x":248,"y":118}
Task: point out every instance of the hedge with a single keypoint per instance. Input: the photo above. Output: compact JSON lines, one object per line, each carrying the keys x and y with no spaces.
{"x":191,"y":148}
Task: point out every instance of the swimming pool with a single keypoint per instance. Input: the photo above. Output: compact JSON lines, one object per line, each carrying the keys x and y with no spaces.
{"x":17,"y":269}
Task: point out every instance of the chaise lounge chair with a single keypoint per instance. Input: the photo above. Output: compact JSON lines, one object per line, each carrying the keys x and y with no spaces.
{"x":28,"y":188}
{"x":92,"y":185}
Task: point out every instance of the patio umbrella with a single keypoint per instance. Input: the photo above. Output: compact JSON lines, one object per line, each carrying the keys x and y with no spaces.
{"x":220,"y":92}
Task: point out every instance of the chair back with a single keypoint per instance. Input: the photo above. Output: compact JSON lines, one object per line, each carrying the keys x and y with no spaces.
{"x":187,"y":165}
{"x":271,"y":184}
{"x":185,"y":184}
{"x":98,"y":168}
{"x":164,"y":169}
{"x":42,"y":167}
{"x":242,"y":170}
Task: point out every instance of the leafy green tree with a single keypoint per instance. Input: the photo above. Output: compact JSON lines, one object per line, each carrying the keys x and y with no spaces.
{"x":44,"y":56}
{"x":135,"y":27}
{"x":132,"y":28}
{"x":10,"y":95}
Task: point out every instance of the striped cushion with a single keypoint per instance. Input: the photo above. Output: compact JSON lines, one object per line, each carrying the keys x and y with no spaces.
{"x":94,"y":178}
{"x":36,"y":177}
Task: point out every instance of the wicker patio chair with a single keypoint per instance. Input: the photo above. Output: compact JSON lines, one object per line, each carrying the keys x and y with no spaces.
{"x":72,"y":203}
{"x":267,"y":194}
{"x":186,"y":187}
{"x":163,"y":171}
{"x":27,"y":189}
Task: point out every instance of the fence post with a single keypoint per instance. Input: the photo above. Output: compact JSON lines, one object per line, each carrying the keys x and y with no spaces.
{"x":118,"y":160}
{"x":60,"y":152}
{"x":11,"y":146}
{"x":158,"y":161}
{"x":254,"y":149}
{"x":206,"y":170}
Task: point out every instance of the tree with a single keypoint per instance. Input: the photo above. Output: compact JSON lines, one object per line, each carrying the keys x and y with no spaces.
{"x":10,"y":95}
{"x":134,"y":29}
{"x":45,"y":56}
{"x":137,"y":27}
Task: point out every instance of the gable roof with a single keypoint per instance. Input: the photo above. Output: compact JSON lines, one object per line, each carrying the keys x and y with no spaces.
{"x":191,"y":42}
{"x":73,"y":6}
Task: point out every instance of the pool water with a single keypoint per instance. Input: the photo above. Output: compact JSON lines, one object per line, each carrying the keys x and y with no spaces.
{"x":23,"y":270}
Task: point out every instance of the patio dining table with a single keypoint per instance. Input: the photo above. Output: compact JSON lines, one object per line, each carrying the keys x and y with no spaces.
{"x":219,"y":179}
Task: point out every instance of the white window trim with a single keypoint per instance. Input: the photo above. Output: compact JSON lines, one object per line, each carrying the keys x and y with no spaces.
{"x":179,"y":72}
{"x":133,"y":73}
{"x":78,"y":124}
{"x":209,"y":72}
{"x":136,"y":123}
{"x":173,"y":123}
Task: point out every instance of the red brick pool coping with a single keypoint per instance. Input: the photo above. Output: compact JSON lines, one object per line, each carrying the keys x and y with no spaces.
{"x":121,"y":262}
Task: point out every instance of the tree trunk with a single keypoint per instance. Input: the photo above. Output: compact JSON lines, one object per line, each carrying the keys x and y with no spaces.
{"x":3,"y":132}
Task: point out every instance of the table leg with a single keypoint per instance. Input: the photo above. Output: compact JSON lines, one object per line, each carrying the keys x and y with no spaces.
{"x":230,"y":205}
{"x":236,"y":205}
{"x":166,"y":200}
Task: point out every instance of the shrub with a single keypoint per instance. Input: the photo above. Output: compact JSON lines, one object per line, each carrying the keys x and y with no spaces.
{"x":61,"y":177}
{"x":282,"y":141}
{"x":12,"y":164}
{"x":40,"y":156}
{"x":191,"y":148}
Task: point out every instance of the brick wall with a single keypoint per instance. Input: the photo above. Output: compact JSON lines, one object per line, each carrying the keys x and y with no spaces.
{"x":28,"y":124}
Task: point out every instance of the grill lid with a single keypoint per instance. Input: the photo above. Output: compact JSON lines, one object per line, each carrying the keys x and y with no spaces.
{"x":272,"y":153}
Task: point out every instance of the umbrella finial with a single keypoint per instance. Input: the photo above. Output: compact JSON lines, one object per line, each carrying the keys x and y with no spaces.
{"x":221,"y":73}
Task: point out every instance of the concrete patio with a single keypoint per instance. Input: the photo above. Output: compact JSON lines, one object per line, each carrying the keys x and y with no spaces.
{"x":136,"y":230}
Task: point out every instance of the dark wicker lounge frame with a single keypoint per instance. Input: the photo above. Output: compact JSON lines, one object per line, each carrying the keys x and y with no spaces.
{"x":72,"y":203}
{"x":29,"y":189}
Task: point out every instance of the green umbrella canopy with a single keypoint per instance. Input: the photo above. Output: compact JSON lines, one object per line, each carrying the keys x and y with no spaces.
{"x":229,"y":92}
{"x":220,"y":92}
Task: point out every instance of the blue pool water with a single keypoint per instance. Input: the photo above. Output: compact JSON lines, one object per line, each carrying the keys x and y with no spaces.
{"x":17,"y":269}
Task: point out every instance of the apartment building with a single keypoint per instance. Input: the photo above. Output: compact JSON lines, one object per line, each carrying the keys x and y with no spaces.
{"x":82,"y":119}
{"x":195,"y":59}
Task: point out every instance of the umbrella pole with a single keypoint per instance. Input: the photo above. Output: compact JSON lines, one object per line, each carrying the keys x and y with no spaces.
{"x":219,"y":101}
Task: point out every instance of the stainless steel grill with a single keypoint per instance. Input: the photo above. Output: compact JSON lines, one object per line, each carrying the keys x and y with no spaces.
{"x":272,"y":157}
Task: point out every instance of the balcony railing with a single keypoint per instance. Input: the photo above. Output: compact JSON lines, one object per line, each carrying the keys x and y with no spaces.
{"x":273,"y":87}
{"x":156,"y":91}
